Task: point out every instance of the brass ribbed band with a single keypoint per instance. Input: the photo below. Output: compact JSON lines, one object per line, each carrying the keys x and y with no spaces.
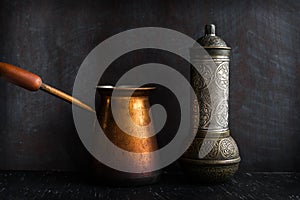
{"x":212,"y":134}
{"x":211,"y":162}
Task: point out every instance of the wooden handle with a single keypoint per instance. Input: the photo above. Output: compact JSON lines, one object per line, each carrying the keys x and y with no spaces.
{"x":65,"y":97}
{"x":20,"y":77}
{"x":33,"y":82}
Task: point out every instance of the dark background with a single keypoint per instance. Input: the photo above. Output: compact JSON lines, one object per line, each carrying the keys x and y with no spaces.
{"x":52,"y":38}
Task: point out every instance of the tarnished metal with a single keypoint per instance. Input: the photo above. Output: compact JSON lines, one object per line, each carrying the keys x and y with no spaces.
{"x":138,"y":107}
{"x":212,"y":88}
{"x":216,"y":157}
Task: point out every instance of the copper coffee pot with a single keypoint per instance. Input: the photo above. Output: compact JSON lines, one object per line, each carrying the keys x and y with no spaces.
{"x":138,"y":106}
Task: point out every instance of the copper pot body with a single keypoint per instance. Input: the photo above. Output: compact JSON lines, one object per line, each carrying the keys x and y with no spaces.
{"x":138,"y":107}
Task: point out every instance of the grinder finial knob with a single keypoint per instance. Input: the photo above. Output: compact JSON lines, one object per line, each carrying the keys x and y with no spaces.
{"x":210,"y":29}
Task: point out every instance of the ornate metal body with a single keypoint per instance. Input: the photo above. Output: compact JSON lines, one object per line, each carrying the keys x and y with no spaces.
{"x":213,"y":155}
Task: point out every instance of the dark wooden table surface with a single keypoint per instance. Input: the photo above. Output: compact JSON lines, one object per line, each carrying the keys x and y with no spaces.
{"x":61,"y":185}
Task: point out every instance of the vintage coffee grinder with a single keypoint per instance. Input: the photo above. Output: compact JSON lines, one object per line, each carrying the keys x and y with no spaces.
{"x":213,"y":156}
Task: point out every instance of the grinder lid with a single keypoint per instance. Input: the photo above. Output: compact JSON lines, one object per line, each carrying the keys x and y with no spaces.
{"x":210,"y":40}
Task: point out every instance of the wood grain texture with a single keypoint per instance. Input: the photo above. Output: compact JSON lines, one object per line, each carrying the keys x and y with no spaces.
{"x":54,"y":185}
{"x":52,"y":38}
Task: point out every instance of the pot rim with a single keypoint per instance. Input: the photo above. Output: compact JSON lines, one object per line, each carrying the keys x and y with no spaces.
{"x":124,"y":88}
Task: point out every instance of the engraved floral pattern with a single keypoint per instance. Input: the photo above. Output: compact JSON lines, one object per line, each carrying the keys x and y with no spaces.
{"x":206,"y":75}
{"x":222,"y":74}
{"x":205,"y":114}
{"x":213,"y":149}
{"x":209,"y":40}
{"x":221,"y":114}
{"x":212,"y":91}
{"x":209,"y":149}
{"x":227,"y":148}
